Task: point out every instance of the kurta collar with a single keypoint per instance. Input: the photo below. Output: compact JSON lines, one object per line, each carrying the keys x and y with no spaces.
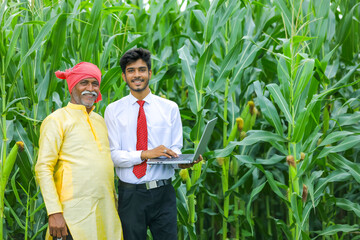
{"x":147,"y":99}
{"x":79,"y":107}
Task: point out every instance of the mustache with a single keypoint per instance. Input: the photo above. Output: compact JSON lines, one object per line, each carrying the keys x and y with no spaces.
{"x":88,"y":92}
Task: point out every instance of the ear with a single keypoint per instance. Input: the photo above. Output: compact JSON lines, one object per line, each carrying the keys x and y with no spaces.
{"x":150,"y":73}
{"x":123,"y":76}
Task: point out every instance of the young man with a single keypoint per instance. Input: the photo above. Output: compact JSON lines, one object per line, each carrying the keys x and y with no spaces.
{"x":74,"y":167}
{"x":143,"y":126}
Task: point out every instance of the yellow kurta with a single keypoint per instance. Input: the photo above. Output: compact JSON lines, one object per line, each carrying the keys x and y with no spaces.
{"x":76,"y":175}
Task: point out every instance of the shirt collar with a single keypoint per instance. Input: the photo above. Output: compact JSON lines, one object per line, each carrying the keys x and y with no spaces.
{"x":79,"y":107}
{"x":147,"y":99}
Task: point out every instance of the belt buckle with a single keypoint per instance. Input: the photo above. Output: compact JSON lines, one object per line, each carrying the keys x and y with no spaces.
{"x":151,"y":184}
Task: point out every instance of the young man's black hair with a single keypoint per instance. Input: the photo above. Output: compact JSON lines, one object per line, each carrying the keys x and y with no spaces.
{"x":133,"y":55}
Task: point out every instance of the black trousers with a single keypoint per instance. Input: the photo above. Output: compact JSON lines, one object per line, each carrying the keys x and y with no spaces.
{"x":155,"y":208}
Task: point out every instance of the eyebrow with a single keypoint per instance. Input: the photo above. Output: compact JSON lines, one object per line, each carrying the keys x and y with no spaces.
{"x":89,"y":81}
{"x":132,"y":68}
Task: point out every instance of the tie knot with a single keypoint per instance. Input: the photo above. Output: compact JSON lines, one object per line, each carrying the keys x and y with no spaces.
{"x":141,"y":103}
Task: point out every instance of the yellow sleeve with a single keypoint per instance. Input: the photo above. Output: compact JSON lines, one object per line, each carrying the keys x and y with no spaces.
{"x":51,"y":137}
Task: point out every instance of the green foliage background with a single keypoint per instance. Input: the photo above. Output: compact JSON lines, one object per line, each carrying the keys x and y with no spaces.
{"x":292,"y":169}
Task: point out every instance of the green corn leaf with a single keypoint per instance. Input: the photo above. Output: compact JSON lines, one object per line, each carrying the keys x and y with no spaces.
{"x":342,"y":163}
{"x":347,"y":205}
{"x":15,"y":189}
{"x":187,"y":63}
{"x":285,"y":13}
{"x":300,"y":125}
{"x":13,"y":213}
{"x":341,"y":83}
{"x":90,"y":33}
{"x":39,"y":231}
{"x":135,"y":42}
{"x":110,"y":78}
{"x":107,"y":48}
{"x":310,"y":182}
{"x":202,"y":75}
{"x":13,"y":102}
{"x":268,"y":109}
{"x":345,"y":25}
{"x":274,"y":185}
{"x":284,"y":77}
{"x":199,"y":15}
{"x":335,"y":176}
{"x":222,"y":18}
{"x":55,"y":47}
{"x":241,"y":181}
{"x":249,"y":160}
{"x":280,"y":100}
{"x":227,"y":65}
{"x":306,"y":214}
{"x":209,"y":24}
{"x":348,"y":142}
{"x":39,"y":208}
{"x":303,"y":80}
{"x":113,"y":9}
{"x":2,"y":10}
{"x":255,"y":137}
{"x":253,"y":194}
{"x":45,"y":30}
{"x":349,"y":119}
{"x":331,"y":230}
{"x":14,"y":40}
{"x":247,"y":57}
{"x":23,"y":137}
{"x":334,"y":137}
{"x":273,"y":160}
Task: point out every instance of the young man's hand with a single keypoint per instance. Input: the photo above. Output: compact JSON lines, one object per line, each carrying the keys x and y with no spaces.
{"x":188,"y":165}
{"x":160,"y":151}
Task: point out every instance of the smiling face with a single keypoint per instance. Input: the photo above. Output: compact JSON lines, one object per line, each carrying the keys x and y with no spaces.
{"x":137,"y":76}
{"x":85,"y":92}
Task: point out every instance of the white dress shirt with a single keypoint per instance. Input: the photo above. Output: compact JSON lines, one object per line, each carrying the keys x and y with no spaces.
{"x":164,"y":128}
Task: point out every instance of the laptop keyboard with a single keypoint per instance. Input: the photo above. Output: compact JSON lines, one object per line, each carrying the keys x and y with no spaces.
{"x":182,"y":157}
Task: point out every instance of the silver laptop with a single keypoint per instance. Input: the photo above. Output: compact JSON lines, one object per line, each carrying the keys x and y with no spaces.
{"x":189,"y":158}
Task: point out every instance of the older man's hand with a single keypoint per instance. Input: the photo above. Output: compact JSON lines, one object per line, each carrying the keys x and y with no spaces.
{"x":57,"y":225}
{"x":188,"y":165}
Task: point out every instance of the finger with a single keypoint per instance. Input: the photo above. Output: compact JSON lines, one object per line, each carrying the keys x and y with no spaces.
{"x":200,"y":158}
{"x":58,"y":233}
{"x":168,"y":153}
{"x":64,"y":232}
{"x":171,"y":153}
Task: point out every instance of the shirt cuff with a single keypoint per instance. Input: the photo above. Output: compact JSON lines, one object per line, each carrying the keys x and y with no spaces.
{"x":137,"y":156}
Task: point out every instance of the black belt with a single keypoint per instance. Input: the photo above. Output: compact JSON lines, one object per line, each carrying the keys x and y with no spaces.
{"x":147,"y":185}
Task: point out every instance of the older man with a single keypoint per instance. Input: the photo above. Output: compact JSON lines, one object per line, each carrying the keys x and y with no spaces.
{"x":74,"y":167}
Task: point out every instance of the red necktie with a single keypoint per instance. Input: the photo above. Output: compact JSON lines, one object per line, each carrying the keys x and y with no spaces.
{"x":142,"y":140}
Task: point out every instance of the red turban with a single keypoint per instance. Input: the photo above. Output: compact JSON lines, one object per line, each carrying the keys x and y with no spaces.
{"x":79,"y":72}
